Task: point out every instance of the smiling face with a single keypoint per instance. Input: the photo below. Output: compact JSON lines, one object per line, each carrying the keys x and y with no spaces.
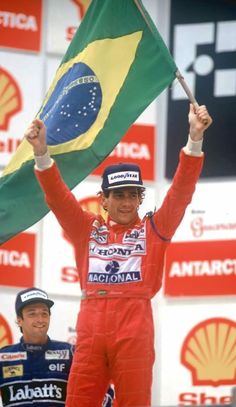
{"x":122,"y":204}
{"x":34,"y":323}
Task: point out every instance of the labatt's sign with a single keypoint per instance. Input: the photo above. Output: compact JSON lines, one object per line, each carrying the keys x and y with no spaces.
{"x":209,"y":353}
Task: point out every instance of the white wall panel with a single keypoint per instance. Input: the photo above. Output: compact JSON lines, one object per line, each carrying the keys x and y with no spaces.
{"x":26,"y":70}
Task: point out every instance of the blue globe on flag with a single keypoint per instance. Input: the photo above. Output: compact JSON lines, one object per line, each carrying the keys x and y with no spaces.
{"x":73,"y":105}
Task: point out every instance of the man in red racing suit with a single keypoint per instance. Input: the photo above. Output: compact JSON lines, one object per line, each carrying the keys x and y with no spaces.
{"x":120,"y":264}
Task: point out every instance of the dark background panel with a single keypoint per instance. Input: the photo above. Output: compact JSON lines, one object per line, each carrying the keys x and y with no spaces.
{"x":220,"y":140}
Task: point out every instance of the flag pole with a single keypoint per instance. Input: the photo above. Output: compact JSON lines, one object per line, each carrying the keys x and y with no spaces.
{"x":188,"y":92}
{"x":178,"y":75}
{"x":143,"y":14}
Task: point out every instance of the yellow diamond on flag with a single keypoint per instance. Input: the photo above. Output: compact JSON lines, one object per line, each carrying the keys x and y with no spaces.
{"x":111,"y":72}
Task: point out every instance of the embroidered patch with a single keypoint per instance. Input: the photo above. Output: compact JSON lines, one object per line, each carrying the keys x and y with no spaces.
{"x":57,"y":354}
{"x":12,"y":371}
{"x":115,"y":272}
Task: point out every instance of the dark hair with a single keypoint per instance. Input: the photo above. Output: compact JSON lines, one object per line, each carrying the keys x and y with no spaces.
{"x":141,"y":192}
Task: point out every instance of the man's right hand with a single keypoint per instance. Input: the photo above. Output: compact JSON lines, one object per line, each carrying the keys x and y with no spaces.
{"x":36,"y":136}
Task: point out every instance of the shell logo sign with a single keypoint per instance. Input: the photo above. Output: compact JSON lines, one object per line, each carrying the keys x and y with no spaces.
{"x":5,"y":333}
{"x":10,"y":98}
{"x":209,"y":352}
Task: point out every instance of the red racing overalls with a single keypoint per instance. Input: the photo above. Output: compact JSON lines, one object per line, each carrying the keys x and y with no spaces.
{"x":120,"y":269}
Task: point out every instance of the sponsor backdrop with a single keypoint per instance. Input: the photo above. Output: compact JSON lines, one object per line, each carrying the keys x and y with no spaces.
{"x":194,"y":314}
{"x":202,"y":258}
{"x":202,"y":41}
{"x":198,"y":357}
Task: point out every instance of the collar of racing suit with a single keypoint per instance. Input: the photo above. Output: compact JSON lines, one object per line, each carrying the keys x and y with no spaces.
{"x":30,"y":347}
{"x":118,"y":228}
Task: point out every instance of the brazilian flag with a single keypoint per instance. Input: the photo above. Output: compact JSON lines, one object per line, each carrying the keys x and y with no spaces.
{"x":116,"y":65}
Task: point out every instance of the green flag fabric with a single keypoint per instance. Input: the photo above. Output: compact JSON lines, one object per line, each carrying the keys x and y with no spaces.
{"x":115,"y":66}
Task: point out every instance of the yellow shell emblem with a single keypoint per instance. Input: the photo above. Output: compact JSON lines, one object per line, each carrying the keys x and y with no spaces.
{"x":209,"y":352}
{"x":10,"y":98}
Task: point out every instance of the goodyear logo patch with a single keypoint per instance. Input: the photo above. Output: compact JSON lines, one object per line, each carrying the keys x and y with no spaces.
{"x":123,"y":176}
{"x":12,"y":371}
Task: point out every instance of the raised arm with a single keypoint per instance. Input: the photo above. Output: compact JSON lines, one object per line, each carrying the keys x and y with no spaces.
{"x":180,"y":193}
{"x":58,"y":196}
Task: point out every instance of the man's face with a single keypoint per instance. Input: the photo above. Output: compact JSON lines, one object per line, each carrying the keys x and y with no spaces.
{"x":34,"y":323}
{"x":122,"y":204}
